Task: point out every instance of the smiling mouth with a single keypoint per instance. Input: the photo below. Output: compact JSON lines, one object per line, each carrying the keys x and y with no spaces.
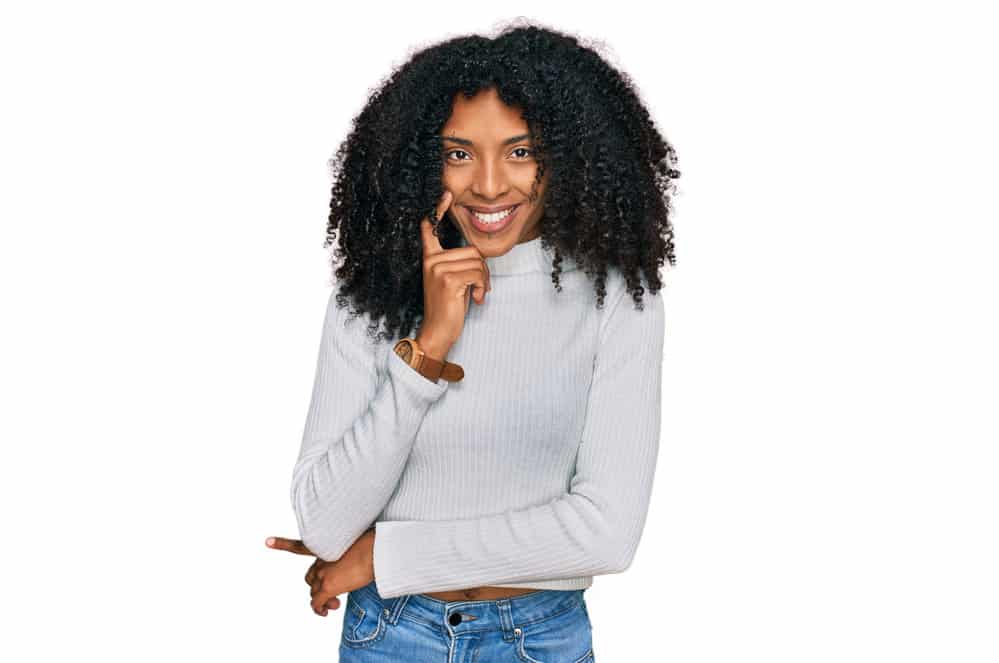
{"x":493,"y":216}
{"x":492,"y":223}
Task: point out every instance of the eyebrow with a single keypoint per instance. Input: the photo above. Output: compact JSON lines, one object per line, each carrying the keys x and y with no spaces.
{"x":465,"y":141}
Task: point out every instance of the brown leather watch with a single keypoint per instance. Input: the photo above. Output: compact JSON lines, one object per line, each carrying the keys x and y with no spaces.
{"x":425,"y":365}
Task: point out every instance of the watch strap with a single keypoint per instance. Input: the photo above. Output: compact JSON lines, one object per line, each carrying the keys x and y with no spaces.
{"x":427,"y":366}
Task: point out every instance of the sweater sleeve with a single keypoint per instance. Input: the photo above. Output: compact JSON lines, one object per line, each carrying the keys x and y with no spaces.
{"x":593,"y":529}
{"x":358,"y":434}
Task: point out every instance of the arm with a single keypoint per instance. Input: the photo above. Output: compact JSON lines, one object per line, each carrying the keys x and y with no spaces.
{"x":595,"y":528}
{"x":358,"y":435}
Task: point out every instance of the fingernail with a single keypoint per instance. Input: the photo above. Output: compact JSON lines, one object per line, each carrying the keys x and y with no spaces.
{"x":270,"y":541}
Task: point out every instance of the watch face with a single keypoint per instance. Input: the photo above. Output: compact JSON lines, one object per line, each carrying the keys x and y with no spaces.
{"x":404,"y":350}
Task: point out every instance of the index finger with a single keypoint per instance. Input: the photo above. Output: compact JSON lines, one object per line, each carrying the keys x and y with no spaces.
{"x":291,"y":545}
{"x":431,"y":243}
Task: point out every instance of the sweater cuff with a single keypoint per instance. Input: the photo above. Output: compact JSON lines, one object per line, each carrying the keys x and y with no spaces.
{"x":391,"y":577}
{"x":403,"y":373}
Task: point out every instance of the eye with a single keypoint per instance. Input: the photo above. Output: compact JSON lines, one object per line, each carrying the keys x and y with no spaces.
{"x":450,"y":152}
{"x":529,"y":151}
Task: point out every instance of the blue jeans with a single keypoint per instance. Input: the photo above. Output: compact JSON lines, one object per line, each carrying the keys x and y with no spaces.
{"x":543,"y":626}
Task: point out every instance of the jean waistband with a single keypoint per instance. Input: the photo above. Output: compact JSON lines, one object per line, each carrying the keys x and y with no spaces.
{"x":504,"y":614}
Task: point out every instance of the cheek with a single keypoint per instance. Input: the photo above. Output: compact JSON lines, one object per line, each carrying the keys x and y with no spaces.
{"x":526,"y":179}
{"x":454,"y":177}
{"x":539,"y":192}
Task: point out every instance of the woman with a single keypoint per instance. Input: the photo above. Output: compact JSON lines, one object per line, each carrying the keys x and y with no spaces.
{"x":465,"y":484}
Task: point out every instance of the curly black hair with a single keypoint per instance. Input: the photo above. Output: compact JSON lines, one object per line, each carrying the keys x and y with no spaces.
{"x":608,"y":201}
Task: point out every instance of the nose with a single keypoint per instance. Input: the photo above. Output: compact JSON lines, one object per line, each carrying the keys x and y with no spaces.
{"x":491,"y":181}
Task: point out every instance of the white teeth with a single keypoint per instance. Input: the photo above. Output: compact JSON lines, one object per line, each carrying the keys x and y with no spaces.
{"x":494,"y":218}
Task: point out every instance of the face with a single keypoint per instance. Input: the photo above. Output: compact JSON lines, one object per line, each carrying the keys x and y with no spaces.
{"x":489,"y":162}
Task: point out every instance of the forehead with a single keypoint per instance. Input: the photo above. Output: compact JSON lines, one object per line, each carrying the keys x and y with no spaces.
{"x":484,"y":118}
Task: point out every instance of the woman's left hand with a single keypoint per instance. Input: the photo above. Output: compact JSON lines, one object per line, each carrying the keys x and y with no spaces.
{"x":327,"y":580}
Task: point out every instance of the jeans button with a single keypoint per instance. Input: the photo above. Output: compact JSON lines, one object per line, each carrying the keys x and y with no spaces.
{"x":454,"y":619}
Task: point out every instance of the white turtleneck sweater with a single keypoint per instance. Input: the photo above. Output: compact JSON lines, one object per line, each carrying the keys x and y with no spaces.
{"x":535,"y":470}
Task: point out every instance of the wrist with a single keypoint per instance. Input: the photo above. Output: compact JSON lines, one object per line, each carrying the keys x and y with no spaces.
{"x":433,"y":347}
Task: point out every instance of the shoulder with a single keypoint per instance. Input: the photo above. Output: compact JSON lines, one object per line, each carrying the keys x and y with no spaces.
{"x":619,"y":301}
{"x":631,"y":332}
{"x":346,"y":328}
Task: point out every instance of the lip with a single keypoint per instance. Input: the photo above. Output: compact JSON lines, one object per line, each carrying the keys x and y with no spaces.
{"x":493,"y":228}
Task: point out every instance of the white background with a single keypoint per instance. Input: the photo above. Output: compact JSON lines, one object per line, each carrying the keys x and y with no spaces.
{"x":826,"y":487}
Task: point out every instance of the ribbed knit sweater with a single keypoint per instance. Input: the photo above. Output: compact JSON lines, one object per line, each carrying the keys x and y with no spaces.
{"x":535,"y":470}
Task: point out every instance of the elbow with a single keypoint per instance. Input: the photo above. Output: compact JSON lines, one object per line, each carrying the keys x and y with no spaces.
{"x":327,"y":524}
{"x":622,"y":561}
{"x":310,"y":530}
{"x":612,"y":550}
{"x":317,"y":545}
{"x":618,"y":553}
{"x":318,"y":541}
{"x":617,"y":562}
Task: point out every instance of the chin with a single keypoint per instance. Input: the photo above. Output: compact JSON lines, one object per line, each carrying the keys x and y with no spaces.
{"x":497,"y":245}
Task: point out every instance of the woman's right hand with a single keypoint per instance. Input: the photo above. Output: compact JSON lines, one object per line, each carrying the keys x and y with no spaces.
{"x":447,"y":273}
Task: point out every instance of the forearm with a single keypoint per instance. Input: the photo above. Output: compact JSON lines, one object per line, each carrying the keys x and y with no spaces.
{"x":568,"y":537}
{"x":340,"y":484}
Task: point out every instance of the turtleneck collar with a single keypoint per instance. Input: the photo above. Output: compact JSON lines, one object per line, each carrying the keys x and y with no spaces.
{"x":525,"y":257}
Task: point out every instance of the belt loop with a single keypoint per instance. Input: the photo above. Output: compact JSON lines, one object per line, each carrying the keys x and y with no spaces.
{"x":398,"y":604}
{"x":506,"y":619}
{"x":391,"y":607}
